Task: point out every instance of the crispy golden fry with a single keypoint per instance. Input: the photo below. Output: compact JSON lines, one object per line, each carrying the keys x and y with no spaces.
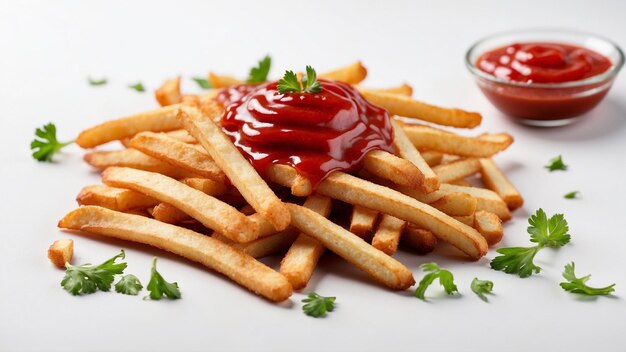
{"x":356,"y":191}
{"x":496,"y":181}
{"x":489,"y":225}
{"x":447,"y":142}
{"x":393,"y":168}
{"x":168,"y":213}
{"x":456,"y":170}
{"x":402,"y":105}
{"x":403,"y":89}
{"x":461,"y":182}
{"x":466,"y":219}
{"x":362,"y":221}
{"x":420,"y":240}
{"x":380,"y":266}
{"x":135,"y":159}
{"x":486,"y":200}
{"x":114,"y":198}
{"x":262,"y":247}
{"x":451,"y":203}
{"x":431,"y":157}
{"x":61,"y":252}
{"x":178,"y":154}
{"x":169,"y":92}
{"x":181,"y":135}
{"x":160,"y":120}
{"x":287,"y":176}
{"x":388,"y":234}
{"x":351,"y":74}
{"x":205,"y":185}
{"x":235,"y":166}
{"x":404,"y":148}
{"x":212,"y":253}
{"x":303,"y":255}
{"x":211,"y":212}
{"x":223,"y":81}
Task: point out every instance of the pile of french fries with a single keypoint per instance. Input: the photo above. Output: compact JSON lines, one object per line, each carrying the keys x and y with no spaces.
{"x":182,"y":186}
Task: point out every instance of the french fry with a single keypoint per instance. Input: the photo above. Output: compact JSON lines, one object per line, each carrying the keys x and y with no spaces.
{"x":351,"y":74}
{"x":403,"y":89}
{"x":303,"y":255}
{"x":458,"y":169}
{"x":397,"y":104}
{"x":287,"y":176}
{"x":496,"y":181}
{"x":134,"y":159}
{"x":223,"y":81}
{"x":61,"y":252}
{"x":181,"y":135}
{"x":178,"y":154}
{"x":356,"y":191}
{"x":432,"y":158}
{"x":210,"y":211}
{"x":212,"y":253}
{"x":485,"y":200}
{"x":205,"y":185}
{"x":393,"y":168}
{"x":461,"y":182}
{"x":235,"y":166}
{"x":362,"y":221}
{"x":420,"y":240}
{"x":169,"y":92}
{"x":380,"y":266}
{"x":466,"y":219}
{"x":404,"y":148}
{"x":388,"y":234}
{"x":489,"y":225}
{"x":451,"y":203}
{"x":447,"y":142}
{"x":169,"y":214}
{"x":114,"y":198}
{"x":264,"y":246}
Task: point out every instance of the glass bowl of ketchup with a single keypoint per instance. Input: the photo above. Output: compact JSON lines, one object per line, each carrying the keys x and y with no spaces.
{"x":544,"y":77}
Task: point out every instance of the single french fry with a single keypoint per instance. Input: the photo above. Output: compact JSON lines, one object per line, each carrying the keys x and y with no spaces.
{"x":397,"y":104}
{"x":205,"y":185}
{"x":114,"y":198}
{"x":235,"y":166}
{"x":451,"y":203}
{"x":496,"y":181}
{"x":212,"y":253}
{"x":451,"y":143}
{"x":134,"y":159}
{"x":362,"y":221}
{"x":485,"y":200}
{"x":178,"y":154}
{"x":356,"y":191}
{"x":262,"y":247}
{"x":181,"y":135}
{"x":388,"y":234}
{"x":403,"y":89}
{"x":61,"y":252}
{"x":223,"y":81}
{"x":432,"y":158}
{"x":406,"y":150}
{"x":287,"y":176}
{"x":393,"y":168}
{"x":211,"y":212}
{"x":351,"y":74}
{"x":380,"y":266}
{"x":456,"y":170}
{"x":489,"y":225}
{"x":461,"y":182}
{"x":420,"y":240}
{"x":168,"y":213}
{"x":169,"y":92}
{"x":466,"y":219}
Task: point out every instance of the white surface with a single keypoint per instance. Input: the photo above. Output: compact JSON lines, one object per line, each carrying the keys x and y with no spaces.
{"x":48,"y":49}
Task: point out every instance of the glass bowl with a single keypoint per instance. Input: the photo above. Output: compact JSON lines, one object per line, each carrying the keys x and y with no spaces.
{"x":545,"y":104}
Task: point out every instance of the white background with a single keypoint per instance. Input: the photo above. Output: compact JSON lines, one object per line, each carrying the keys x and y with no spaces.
{"x":47,"y":49}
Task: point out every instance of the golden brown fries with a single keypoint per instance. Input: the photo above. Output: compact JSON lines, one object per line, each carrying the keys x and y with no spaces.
{"x":134,"y":159}
{"x":169,"y":214}
{"x":61,"y":252}
{"x":451,"y":203}
{"x":205,"y":185}
{"x":393,"y":168}
{"x":403,"y":89}
{"x":431,"y":157}
{"x":211,"y":212}
{"x":495,"y":180}
{"x":404,"y":148}
{"x":466,"y":219}
{"x":420,"y":240}
{"x":362,"y":221}
{"x":222,"y":81}
{"x":181,"y":135}
{"x":169,"y":92}
{"x":388,"y":234}
{"x":351,"y":74}
{"x":457,"y":169}
{"x":212,"y":253}
{"x":287,"y":176}
{"x":489,"y":225}
{"x":352,"y":248}
{"x":485,"y":200}
{"x":401,"y":105}
{"x":114,"y":198}
{"x":262,"y":247}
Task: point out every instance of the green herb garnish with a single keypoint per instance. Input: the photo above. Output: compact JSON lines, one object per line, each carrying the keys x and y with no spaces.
{"x":86,"y":278}
{"x":46,"y":144}
{"x":158,"y":287}
{"x":481,"y":287}
{"x":578,"y":285}
{"x":202,"y":82}
{"x":128,"y":285}
{"x":138,"y":87}
{"x":556,"y":164}
{"x":290,"y":84}
{"x":317,"y":306}
{"x":258,"y":74}
{"x":446,"y":279}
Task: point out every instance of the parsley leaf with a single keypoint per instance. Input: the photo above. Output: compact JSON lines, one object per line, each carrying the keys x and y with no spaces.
{"x":46,"y":145}
{"x":317,"y":306}
{"x":516,"y":260}
{"x":202,"y":82}
{"x":571,"y":195}
{"x":128,"y":285}
{"x":158,"y":287}
{"x":480,"y":287}
{"x":310,"y":83}
{"x":86,"y":278}
{"x":97,"y":82}
{"x":258,"y":74}
{"x":548,"y":232}
{"x":446,"y":279}
{"x":138,"y":87}
{"x":289,"y":83}
{"x":556,"y":164}
{"x":578,"y":285}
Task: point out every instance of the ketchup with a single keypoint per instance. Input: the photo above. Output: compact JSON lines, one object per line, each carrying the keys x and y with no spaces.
{"x":317,"y":133}
{"x":543,"y":63}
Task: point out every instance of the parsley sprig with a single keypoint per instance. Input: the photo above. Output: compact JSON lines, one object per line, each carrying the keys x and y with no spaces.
{"x":86,"y":278}
{"x":481,"y":287}
{"x":556,"y":164}
{"x":446,"y":279}
{"x":258,"y":73}
{"x":317,"y":306}
{"x":571,"y":195}
{"x":158,"y":287}
{"x":202,"y":82}
{"x":578,"y":285}
{"x":137,"y":87}
{"x":128,"y":285}
{"x":97,"y":82}
{"x":45,"y":145}
{"x":290,"y":84}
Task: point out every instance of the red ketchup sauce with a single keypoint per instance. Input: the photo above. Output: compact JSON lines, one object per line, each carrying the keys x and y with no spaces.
{"x":315,"y":133}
